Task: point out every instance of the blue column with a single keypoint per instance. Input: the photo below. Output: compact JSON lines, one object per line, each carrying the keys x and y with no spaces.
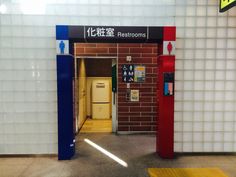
{"x":66,"y":144}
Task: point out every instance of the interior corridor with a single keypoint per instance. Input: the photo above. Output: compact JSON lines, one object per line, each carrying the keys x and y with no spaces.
{"x":136,"y":150}
{"x":93,"y":95}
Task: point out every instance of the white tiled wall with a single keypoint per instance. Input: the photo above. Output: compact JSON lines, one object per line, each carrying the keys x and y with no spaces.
{"x":205,"y":86}
{"x":205,"y":102}
{"x":28,"y":93}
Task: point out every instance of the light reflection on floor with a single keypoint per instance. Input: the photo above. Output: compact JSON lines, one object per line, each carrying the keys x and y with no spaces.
{"x":107,"y":153}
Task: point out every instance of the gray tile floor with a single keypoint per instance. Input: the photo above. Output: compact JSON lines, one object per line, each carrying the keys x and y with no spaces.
{"x":137,"y":150}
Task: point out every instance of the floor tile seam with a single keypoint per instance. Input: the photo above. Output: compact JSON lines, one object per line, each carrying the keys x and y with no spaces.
{"x":26,"y":168}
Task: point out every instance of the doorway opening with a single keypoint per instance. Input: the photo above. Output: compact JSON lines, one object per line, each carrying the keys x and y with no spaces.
{"x":131,"y":115}
{"x":94,"y":102}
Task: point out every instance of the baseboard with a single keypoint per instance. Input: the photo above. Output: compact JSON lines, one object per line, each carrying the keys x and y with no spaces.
{"x":204,"y":153}
{"x":27,"y":155}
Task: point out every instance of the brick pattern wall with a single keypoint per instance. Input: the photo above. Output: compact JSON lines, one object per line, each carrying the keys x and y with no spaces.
{"x":132,"y":116}
{"x":138,"y":116}
{"x":96,"y":49}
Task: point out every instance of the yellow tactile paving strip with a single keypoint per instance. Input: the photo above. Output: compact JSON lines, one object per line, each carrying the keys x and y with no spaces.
{"x":185,"y":172}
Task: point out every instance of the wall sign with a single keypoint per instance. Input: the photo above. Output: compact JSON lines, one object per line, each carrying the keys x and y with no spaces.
{"x":128,"y":73}
{"x":139,"y":73}
{"x":62,"y":47}
{"x":115,"y":34}
{"x":168,"y":47}
{"x":226,"y":5}
{"x":134,"y":95}
{"x":168,"y":84}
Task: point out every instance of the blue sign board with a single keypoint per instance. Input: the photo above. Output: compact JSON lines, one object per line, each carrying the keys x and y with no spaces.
{"x":128,"y":73}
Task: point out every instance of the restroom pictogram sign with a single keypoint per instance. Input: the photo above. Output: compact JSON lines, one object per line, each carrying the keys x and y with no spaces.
{"x":128,"y":73}
{"x":169,"y":48}
{"x":62,"y":47}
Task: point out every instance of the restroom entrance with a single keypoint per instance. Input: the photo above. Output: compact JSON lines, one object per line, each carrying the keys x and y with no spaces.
{"x":94,"y":100}
{"x":145,"y":80}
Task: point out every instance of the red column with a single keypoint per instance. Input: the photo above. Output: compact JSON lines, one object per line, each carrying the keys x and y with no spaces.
{"x":165,"y":123}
